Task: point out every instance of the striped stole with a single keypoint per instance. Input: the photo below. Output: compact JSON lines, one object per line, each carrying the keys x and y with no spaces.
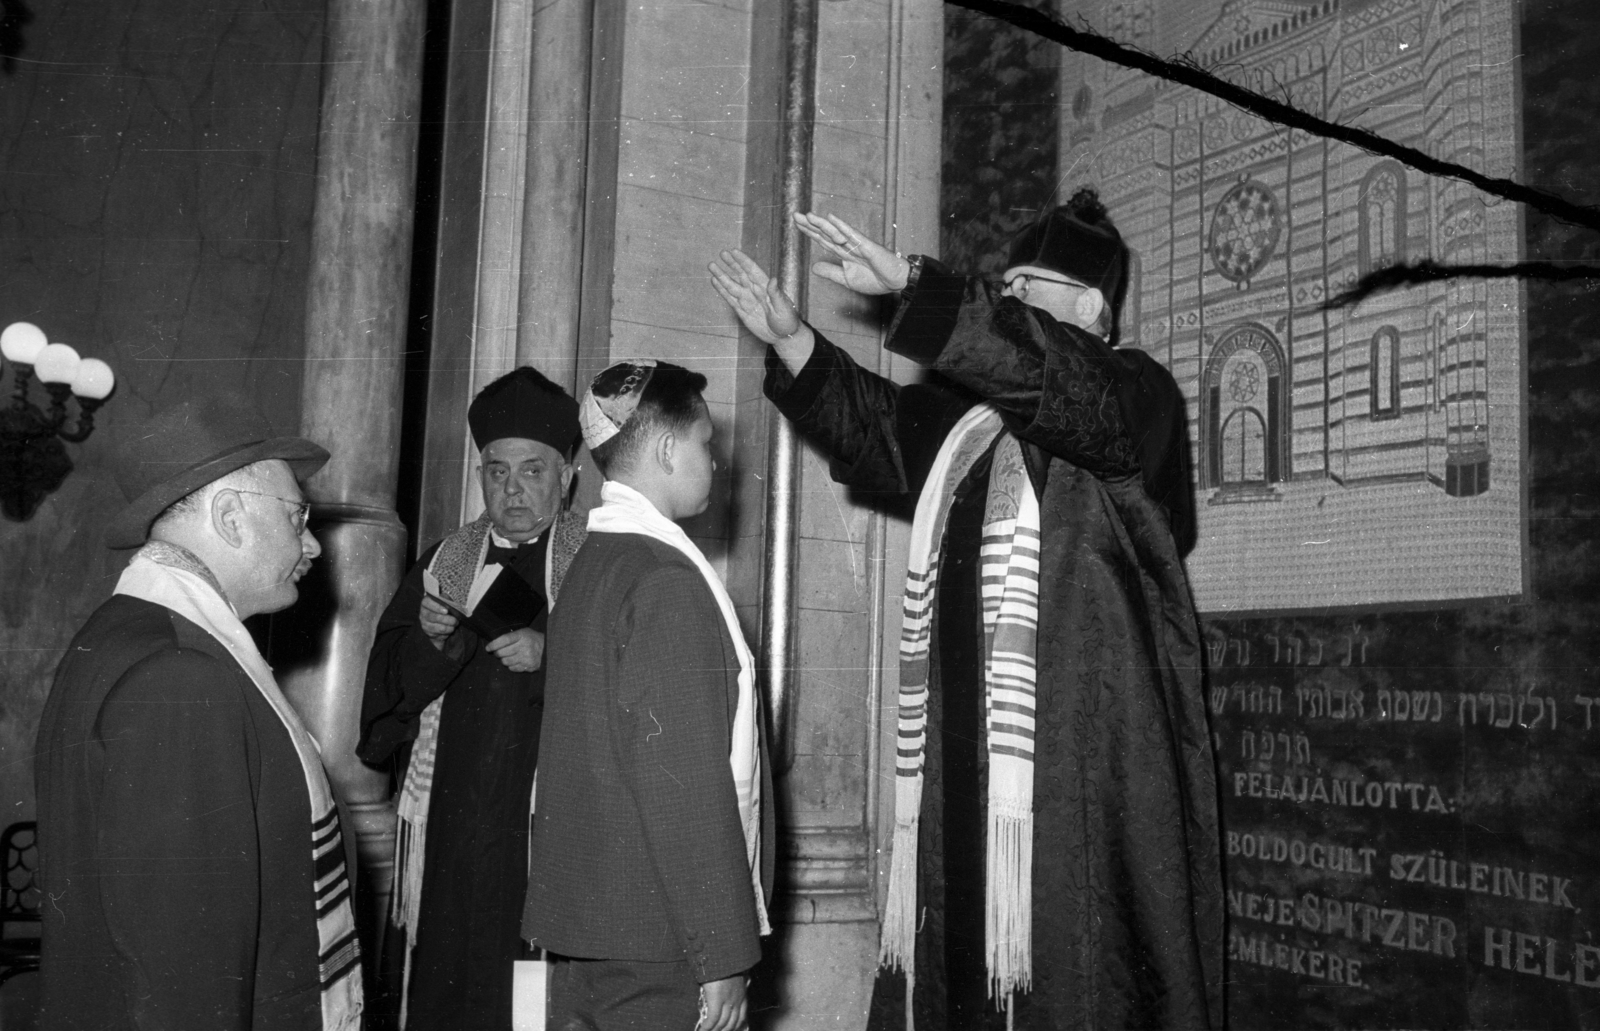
{"x":456,"y":564}
{"x":170,"y":576}
{"x":1009,"y":578}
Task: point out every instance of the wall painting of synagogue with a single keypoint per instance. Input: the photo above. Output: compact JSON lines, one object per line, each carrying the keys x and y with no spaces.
{"x":1368,"y":456}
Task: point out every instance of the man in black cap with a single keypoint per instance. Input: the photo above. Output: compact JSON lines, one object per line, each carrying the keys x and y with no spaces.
{"x":190,"y":852}
{"x":456,"y":679}
{"x":1056,"y":849}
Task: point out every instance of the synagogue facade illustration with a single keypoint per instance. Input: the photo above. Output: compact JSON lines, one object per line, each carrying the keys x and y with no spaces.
{"x":1383,"y":416}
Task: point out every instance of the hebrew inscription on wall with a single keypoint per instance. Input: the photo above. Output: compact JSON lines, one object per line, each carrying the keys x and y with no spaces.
{"x":1401,"y":851}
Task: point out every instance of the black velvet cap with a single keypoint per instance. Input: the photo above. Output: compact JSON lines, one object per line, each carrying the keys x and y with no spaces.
{"x":523,"y":403}
{"x":1076,"y":239}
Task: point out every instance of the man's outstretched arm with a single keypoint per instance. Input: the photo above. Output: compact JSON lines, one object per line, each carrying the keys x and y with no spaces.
{"x":881,"y":438}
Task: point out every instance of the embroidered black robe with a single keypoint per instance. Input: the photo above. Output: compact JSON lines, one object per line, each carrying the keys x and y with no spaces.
{"x":1127,"y":884}
{"x":475,"y":870}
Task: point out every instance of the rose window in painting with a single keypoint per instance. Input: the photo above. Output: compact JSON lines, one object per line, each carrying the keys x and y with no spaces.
{"x":1245,"y":226}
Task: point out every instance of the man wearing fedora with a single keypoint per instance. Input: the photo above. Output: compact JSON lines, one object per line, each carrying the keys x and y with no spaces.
{"x":190,"y":851}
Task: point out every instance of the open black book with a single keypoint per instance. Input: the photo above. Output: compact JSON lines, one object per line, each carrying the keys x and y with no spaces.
{"x":499,"y":602}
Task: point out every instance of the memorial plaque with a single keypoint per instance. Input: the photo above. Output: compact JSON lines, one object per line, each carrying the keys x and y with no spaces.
{"x":1409,"y":839}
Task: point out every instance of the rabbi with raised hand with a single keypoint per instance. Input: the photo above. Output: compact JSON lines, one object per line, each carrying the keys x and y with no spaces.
{"x":1056,"y":849}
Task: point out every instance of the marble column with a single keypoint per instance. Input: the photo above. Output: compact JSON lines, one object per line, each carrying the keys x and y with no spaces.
{"x":553,"y":212}
{"x":355,"y":333}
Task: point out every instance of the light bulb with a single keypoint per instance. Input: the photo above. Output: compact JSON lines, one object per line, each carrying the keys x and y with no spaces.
{"x":57,"y":363}
{"x":93,"y":379}
{"x":21,"y":342}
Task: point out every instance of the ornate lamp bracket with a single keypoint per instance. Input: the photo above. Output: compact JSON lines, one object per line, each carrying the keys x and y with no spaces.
{"x":33,"y":459}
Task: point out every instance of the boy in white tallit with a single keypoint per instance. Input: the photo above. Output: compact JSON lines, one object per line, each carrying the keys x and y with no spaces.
{"x":648,"y":844}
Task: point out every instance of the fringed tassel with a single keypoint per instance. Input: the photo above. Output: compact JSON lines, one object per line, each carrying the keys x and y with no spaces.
{"x":911,"y":994}
{"x":1008,"y":917}
{"x":407,"y":902}
{"x":898,"y":945}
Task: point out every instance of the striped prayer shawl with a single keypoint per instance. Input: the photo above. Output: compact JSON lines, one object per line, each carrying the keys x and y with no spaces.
{"x":174,"y":578}
{"x":456,"y":565}
{"x":1009,"y":578}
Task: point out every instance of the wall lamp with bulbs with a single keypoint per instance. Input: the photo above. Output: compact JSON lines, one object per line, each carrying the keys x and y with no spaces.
{"x":33,"y":460}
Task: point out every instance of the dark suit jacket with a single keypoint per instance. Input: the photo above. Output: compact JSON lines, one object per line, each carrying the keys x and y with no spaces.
{"x":174,"y":838}
{"x":637,"y":849}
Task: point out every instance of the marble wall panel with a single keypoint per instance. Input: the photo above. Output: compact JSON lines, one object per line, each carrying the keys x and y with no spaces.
{"x":664,"y":239}
{"x":834,"y":577}
{"x":156,"y":164}
{"x":669,"y":156}
{"x":828,"y":779}
{"x":829,"y":512}
{"x":684,"y":66}
{"x":848,"y":155}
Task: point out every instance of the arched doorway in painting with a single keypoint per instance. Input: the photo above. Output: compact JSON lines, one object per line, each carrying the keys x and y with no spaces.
{"x":1244,"y":449}
{"x":1244,"y":417}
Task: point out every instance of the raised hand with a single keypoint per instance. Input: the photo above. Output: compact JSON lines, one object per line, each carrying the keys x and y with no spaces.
{"x":864,"y":266}
{"x":755,"y":297}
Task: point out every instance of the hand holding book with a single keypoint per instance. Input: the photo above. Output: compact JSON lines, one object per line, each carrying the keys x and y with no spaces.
{"x":499,"y":602}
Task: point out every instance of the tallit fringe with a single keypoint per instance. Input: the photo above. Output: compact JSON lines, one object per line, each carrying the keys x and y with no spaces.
{"x":1008,"y":916}
{"x":408,"y":898}
{"x":898,"y":946}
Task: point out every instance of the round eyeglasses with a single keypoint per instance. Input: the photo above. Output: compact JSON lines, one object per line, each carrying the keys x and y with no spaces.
{"x":1025,"y":278}
{"x":302,"y":509}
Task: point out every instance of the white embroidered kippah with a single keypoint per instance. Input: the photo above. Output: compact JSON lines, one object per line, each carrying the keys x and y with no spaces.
{"x":602,"y":417}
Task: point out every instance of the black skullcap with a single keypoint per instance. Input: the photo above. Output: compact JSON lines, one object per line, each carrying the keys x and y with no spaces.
{"x":523,"y":403}
{"x":1076,"y":239}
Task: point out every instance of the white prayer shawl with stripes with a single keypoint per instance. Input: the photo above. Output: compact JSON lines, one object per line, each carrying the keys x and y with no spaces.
{"x":158,"y":574}
{"x":455,"y":565}
{"x":1009,"y":576}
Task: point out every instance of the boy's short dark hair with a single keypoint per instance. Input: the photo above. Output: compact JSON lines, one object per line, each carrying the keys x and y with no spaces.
{"x":672,"y":400}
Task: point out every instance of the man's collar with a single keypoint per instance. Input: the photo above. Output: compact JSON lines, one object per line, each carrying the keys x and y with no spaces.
{"x":502,"y":542}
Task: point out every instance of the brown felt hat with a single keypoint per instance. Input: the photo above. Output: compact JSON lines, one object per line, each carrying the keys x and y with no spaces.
{"x":181,"y":449}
